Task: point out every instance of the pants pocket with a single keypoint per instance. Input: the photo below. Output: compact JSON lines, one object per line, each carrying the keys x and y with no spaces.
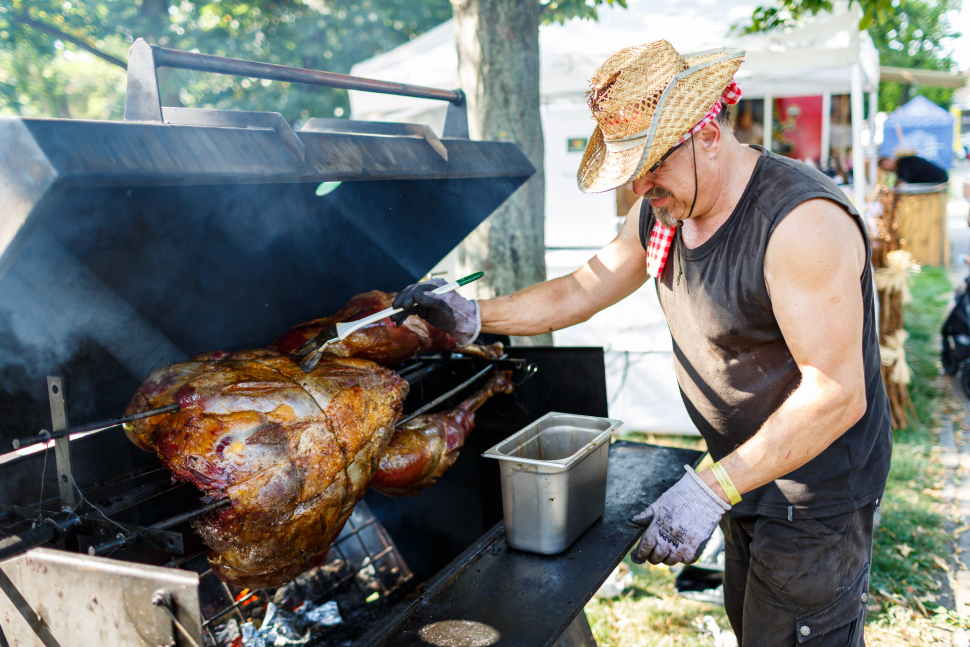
{"x":801,"y":561}
{"x":841,"y":621}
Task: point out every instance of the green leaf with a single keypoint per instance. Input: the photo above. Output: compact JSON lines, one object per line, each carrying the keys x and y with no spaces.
{"x":920,"y":33}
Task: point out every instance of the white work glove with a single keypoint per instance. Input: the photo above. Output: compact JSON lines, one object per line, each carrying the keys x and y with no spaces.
{"x":679,"y":523}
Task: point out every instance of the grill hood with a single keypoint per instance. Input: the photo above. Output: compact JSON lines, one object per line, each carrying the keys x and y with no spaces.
{"x":128,"y":245}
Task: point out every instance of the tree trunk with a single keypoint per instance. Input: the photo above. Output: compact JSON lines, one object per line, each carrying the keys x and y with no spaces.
{"x":498,"y":69}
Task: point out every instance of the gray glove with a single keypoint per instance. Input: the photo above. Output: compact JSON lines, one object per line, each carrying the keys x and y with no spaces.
{"x":451,"y":312}
{"x":679,"y":523}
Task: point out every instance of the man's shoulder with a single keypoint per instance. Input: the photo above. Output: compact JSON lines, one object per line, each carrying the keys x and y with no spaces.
{"x":781,"y":167}
{"x":814,"y":235}
{"x":784,"y":183}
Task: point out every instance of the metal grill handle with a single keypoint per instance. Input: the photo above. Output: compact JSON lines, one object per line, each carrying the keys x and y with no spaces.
{"x":143,"y":101}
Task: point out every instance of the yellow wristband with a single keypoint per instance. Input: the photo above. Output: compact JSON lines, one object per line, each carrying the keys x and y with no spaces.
{"x":728,"y":486}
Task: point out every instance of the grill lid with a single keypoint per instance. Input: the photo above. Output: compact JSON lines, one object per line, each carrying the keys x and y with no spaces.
{"x":128,"y":245}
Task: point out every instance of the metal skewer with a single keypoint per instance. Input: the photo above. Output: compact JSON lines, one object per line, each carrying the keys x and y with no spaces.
{"x":192,"y":514}
{"x":45,"y":436}
{"x":444,"y":396}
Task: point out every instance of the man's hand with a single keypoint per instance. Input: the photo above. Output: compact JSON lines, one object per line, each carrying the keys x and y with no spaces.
{"x":679,"y":523}
{"x":451,"y":312}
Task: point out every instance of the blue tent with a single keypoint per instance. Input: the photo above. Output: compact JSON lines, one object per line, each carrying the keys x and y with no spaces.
{"x":927,"y":130}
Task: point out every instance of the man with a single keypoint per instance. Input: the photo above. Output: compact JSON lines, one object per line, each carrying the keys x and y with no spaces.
{"x":762,"y":269}
{"x":913,"y":169}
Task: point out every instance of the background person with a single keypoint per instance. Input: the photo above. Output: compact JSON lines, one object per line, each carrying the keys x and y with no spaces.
{"x":913,"y":169}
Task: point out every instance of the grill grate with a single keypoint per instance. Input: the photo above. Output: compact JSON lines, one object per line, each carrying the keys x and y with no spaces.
{"x":363,"y":556}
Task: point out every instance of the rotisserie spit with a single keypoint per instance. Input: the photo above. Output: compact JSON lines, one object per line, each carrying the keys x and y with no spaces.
{"x":295,"y":451}
{"x":129,"y":245}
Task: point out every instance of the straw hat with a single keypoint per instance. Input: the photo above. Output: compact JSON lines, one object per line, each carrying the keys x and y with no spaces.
{"x":633,"y":86}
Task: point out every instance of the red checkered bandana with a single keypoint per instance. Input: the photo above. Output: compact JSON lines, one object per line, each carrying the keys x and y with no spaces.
{"x":659,"y":246}
{"x":661,"y":237}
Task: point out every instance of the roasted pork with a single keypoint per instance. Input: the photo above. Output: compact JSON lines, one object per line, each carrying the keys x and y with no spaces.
{"x":422,"y":449}
{"x":294,"y":451}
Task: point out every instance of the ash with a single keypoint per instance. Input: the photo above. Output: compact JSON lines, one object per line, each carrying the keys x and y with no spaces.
{"x":329,"y":605}
{"x":333,"y":604}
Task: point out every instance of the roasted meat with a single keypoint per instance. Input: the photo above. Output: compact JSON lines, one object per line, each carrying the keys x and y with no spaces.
{"x":294,"y":451}
{"x":382,"y":341}
{"x":422,"y":449}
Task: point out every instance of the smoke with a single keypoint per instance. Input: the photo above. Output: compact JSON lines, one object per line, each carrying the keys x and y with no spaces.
{"x":58,"y":318}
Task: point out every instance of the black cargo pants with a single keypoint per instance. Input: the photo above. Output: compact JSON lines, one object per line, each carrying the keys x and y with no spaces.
{"x":801,"y":582}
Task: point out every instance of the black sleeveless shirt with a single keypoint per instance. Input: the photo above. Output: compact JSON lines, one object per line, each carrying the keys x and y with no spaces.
{"x":732,"y":363}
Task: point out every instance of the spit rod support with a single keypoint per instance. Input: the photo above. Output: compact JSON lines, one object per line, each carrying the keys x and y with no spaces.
{"x":16,"y":544}
{"x":122,"y":539}
{"x":221,"y":65}
{"x":59,"y":527}
{"x":45,"y":436}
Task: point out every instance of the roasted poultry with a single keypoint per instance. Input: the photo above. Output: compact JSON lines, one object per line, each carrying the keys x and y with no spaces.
{"x":294,"y":451}
{"x":382,"y":341}
{"x":423,"y":448}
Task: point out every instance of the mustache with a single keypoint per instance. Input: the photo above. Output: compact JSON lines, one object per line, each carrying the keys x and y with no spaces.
{"x":657,"y":192}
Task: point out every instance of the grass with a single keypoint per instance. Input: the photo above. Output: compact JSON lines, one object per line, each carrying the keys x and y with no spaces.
{"x":651,"y":613}
{"x":912,"y":548}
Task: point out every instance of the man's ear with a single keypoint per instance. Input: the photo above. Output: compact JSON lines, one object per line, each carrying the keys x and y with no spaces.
{"x":709,"y":138}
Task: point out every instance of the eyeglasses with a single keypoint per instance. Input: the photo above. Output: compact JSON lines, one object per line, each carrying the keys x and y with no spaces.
{"x":653,"y":169}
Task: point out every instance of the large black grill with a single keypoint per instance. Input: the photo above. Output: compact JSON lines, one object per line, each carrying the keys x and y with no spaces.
{"x":128,"y":245}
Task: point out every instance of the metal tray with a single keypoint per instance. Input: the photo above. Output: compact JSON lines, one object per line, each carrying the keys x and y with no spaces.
{"x":553,"y":480}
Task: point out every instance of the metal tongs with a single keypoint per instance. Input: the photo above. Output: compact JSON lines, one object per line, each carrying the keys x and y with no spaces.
{"x":312,"y":351}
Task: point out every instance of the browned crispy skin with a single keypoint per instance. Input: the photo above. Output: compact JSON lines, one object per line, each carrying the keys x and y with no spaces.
{"x":424,"y":448}
{"x":382,"y":341}
{"x":294,"y":451}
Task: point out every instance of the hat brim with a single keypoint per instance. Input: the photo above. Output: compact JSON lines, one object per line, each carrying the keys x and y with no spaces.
{"x":685,"y":102}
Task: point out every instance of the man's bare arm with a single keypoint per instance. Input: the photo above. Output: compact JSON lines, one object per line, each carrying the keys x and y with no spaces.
{"x":812,"y":266}
{"x":614,"y":273}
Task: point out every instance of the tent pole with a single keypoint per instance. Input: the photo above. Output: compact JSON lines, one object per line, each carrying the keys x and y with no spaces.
{"x":873,"y":159}
{"x":858,"y":155}
{"x":769,"y":110}
{"x":823,"y":161}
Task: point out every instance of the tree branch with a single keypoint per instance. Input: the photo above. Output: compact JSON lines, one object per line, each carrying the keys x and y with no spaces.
{"x":30,"y":22}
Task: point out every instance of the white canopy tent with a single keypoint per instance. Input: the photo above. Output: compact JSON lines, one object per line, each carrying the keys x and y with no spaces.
{"x":825,"y":55}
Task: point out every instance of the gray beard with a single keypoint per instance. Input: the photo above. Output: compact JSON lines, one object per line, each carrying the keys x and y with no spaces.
{"x":661,"y":213}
